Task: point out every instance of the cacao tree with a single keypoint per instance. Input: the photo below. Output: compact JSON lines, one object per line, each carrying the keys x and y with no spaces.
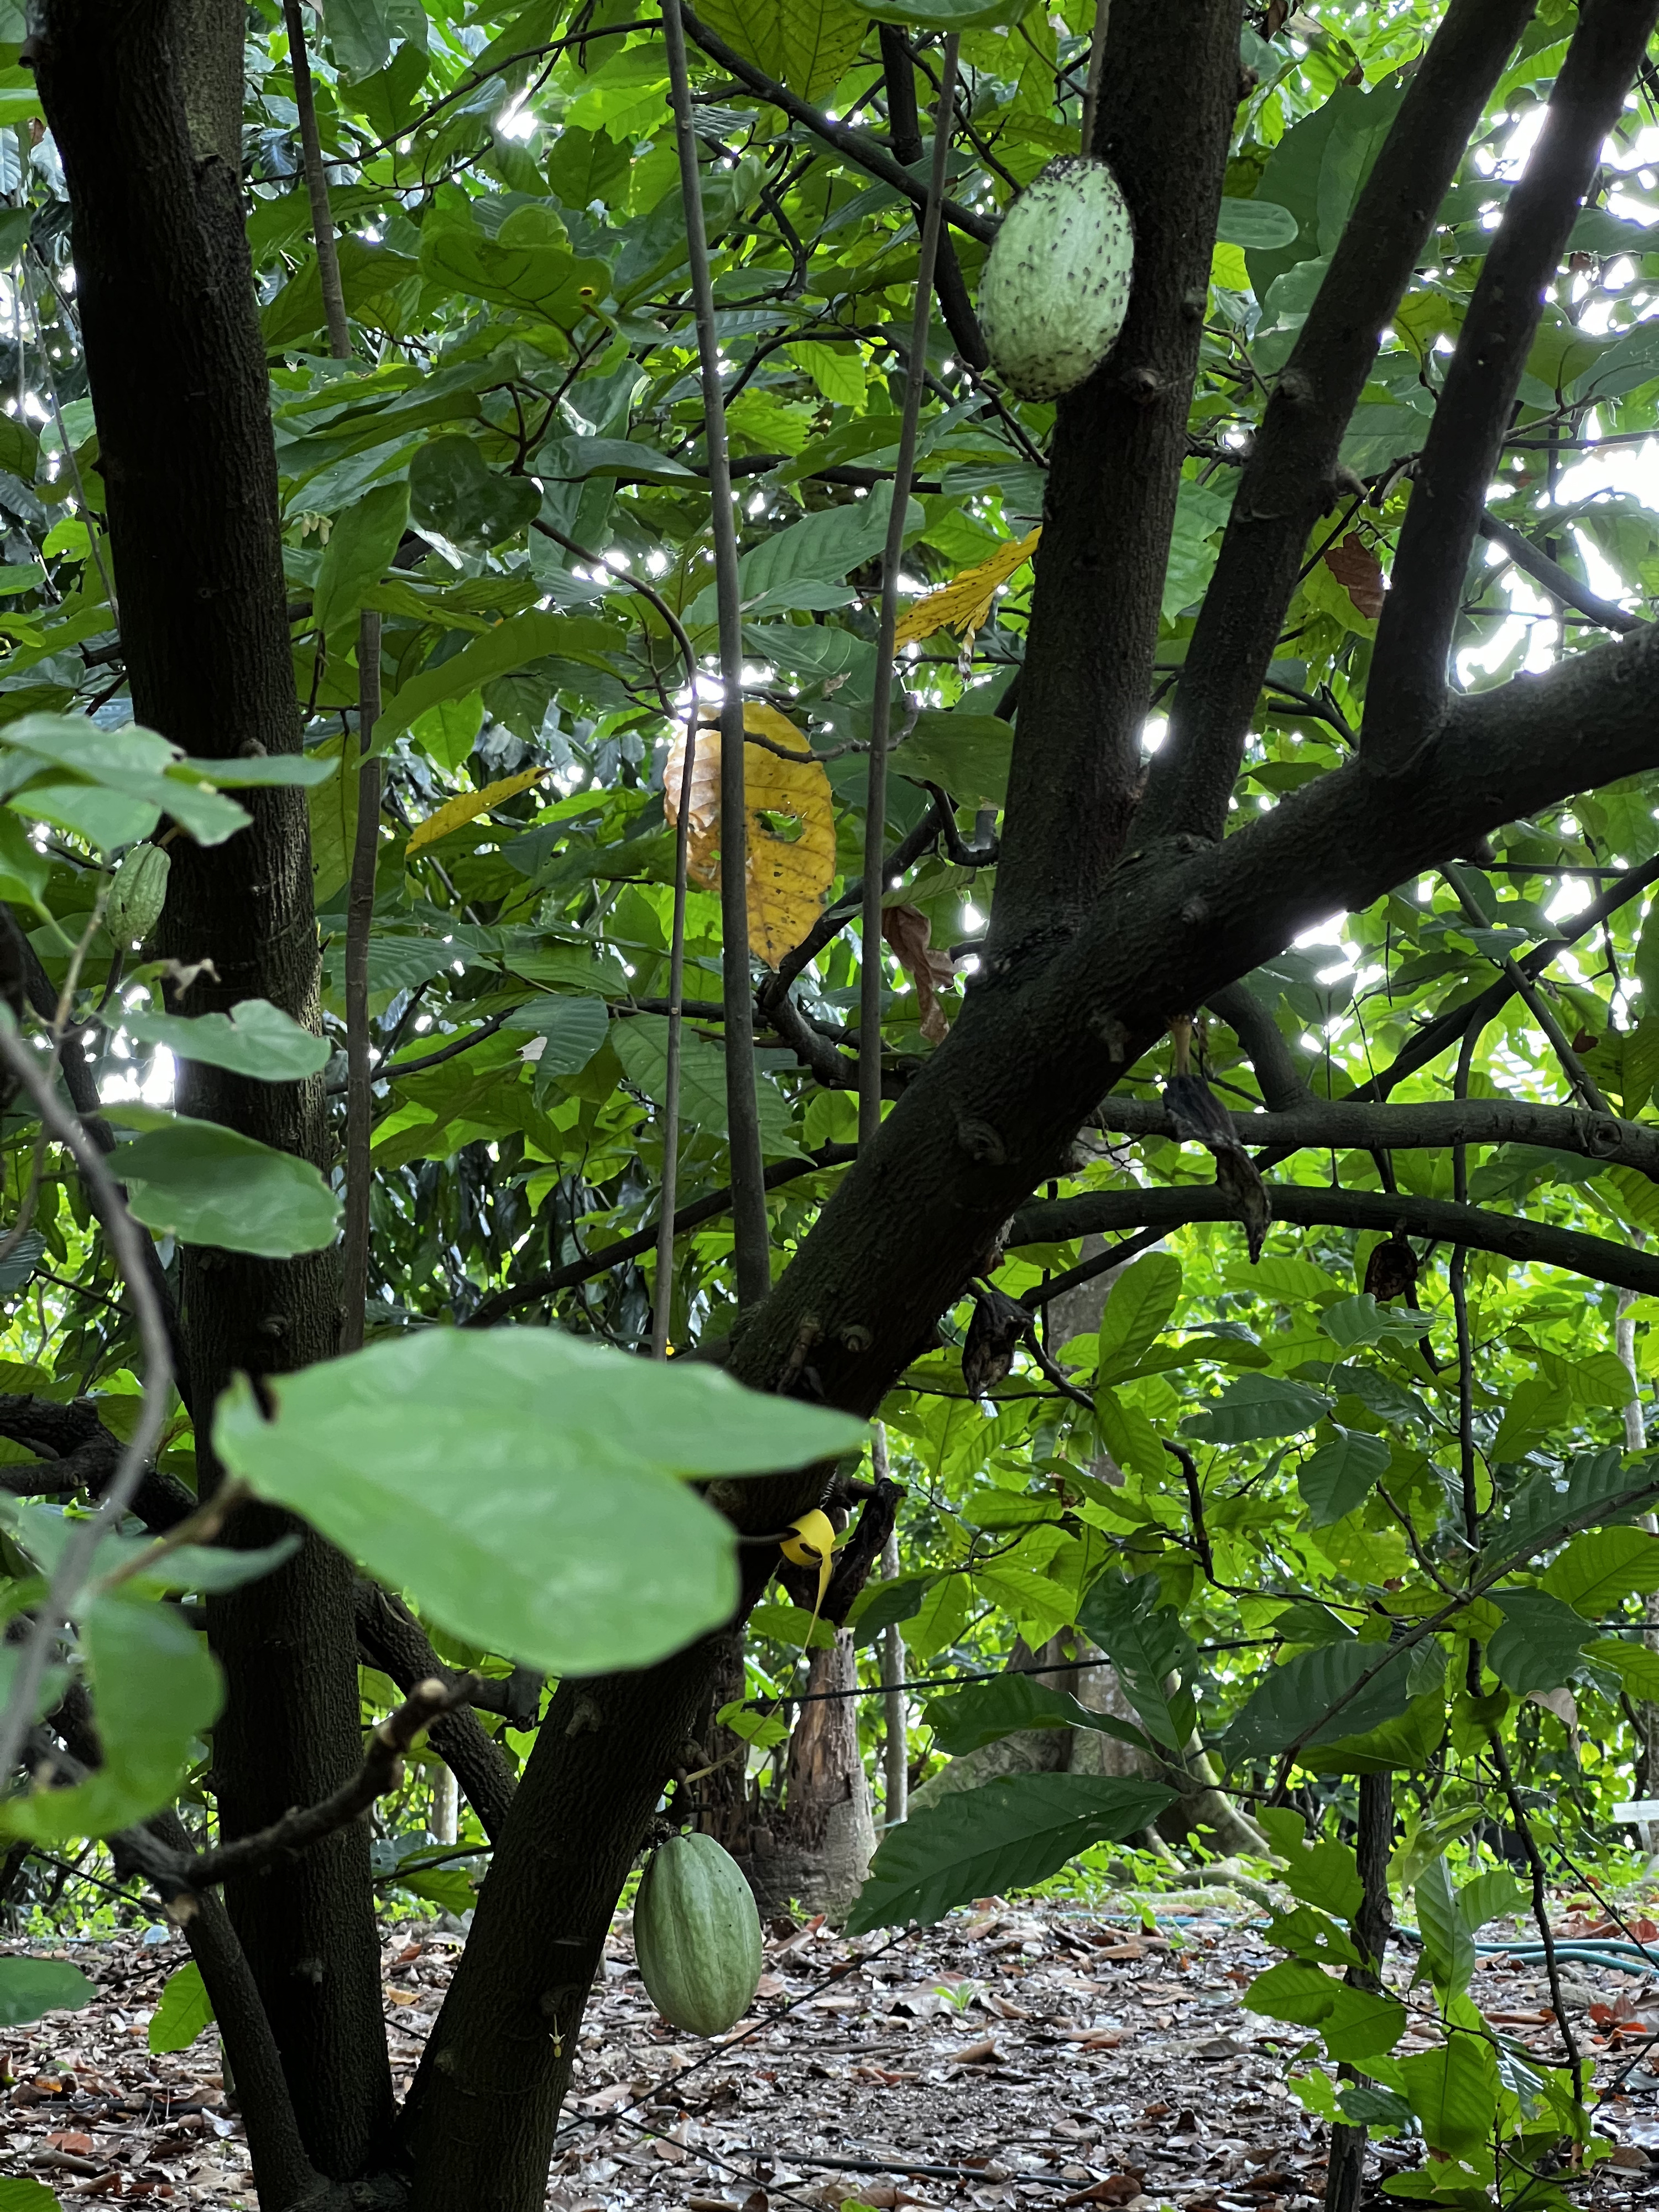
{"x":468,"y":474}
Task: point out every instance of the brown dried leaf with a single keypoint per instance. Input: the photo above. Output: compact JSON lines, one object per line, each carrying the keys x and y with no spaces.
{"x":1392,"y":1268}
{"x":907,"y":929}
{"x":995,"y":1334}
{"x":1237,"y":1174}
{"x":1359,"y":572}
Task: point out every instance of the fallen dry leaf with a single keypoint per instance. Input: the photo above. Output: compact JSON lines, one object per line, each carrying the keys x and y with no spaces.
{"x":975,"y":2054}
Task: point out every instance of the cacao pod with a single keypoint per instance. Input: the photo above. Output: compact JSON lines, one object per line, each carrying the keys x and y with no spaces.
{"x":698,"y":1935}
{"x":1056,"y":284}
{"x":137,"y":894}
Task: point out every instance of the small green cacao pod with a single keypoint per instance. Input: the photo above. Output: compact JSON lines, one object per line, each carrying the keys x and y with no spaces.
{"x":1056,"y":284}
{"x":698,"y":1935}
{"x":137,"y":894}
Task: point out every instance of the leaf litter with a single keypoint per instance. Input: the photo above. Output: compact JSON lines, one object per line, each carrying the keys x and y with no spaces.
{"x":1028,"y":2053}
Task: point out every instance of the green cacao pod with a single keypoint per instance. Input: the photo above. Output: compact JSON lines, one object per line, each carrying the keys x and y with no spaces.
{"x":698,"y":1935}
{"x":137,"y":894}
{"x":1056,"y":284}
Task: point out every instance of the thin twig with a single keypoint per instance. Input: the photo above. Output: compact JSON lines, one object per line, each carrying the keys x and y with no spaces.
{"x":875,"y":815}
{"x":663,"y":1298}
{"x":751,"y":1240}
{"x":127,"y":1241}
{"x":1092,"y":81}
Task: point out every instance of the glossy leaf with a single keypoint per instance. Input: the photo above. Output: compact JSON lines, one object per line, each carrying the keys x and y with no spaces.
{"x":568,"y":1544}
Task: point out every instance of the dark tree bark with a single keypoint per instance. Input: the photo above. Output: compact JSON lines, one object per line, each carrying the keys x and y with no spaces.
{"x":145,"y":104}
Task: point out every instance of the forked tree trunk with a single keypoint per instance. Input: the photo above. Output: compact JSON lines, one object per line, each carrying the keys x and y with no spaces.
{"x":814,"y":1848}
{"x":145,"y":103}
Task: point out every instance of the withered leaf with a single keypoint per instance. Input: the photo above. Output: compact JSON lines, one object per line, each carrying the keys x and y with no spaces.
{"x":995,"y":1334}
{"x":1391,"y":1271}
{"x":1237,"y":1174}
{"x":907,"y":929}
{"x":1359,"y":572}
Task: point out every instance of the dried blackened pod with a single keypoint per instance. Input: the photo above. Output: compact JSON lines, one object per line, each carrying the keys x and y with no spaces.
{"x":1056,"y":284}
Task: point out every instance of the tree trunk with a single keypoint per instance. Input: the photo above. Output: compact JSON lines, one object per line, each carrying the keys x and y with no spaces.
{"x":145,"y":106}
{"x":815,"y":1850}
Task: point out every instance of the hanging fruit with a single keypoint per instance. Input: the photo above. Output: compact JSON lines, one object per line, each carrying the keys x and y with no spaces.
{"x":1056,"y":284}
{"x":698,"y":1935}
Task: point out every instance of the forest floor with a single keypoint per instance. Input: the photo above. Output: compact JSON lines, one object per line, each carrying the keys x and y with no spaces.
{"x":1035,"y":2053}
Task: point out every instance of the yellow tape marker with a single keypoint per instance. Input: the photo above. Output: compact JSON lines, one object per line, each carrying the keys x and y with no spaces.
{"x":812,"y":1542}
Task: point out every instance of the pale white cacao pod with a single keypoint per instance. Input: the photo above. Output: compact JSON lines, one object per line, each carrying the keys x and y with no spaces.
{"x":1056,"y":284}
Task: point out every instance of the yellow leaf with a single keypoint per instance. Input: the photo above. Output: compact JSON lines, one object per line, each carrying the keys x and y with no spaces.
{"x":791,"y":827}
{"x":964,"y":603}
{"x":470,"y":804}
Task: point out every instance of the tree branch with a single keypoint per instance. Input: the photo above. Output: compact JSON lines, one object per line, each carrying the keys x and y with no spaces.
{"x":1407,"y":690}
{"x":853,"y":145}
{"x":179,"y":1877}
{"x":1319,"y":1124}
{"x":1305,"y":1206}
{"x":1291,"y":476}
{"x":1109,"y":506}
{"x":1558,"y":582}
{"x":693,"y":1216}
{"x":1282,"y":1085}
{"x":904,"y":127}
{"x":393,"y":1640}
{"x":78,"y":1452}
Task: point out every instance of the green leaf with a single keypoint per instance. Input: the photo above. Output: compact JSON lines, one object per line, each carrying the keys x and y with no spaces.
{"x":360,"y":550}
{"x":127,"y":778}
{"x":886,"y":1604}
{"x":1142,"y":1299}
{"x":1011,"y":1832}
{"x":1152,"y":1653}
{"x":1636,"y":1666}
{"x":31,"y":1987}
{"x":586,"y":166}
{"x":791,"y":1624}
{"x":1540,"y":1643}
{"x":155,"y":1689}
{"x":512,"y":645}
{"x":1290,"y":1701}
{"x":1321,"y":1873}
{"x":1541,"y":1511}
{"x":24,"y":868}
{"x":640,"y":1044}
{"x":1341,"y":1475}
{"x":184,"y":2010}
{"x":990,"y":1710}
{"x":254,"y":1038}
{"x":1361,"y":1320}
{"x":1453,"y":2090}
{"x":1129,"y":1436}
{"x":966,"y":755}
{"x":452,"y":491}
{"x":538,"y":275}
{"x":1601,"y":1568}
{"x":562,"y":1539}
{"x":360,"y":32}
{"x":210,"y":1185}
{"x":18,"y":2194}
{"x":1491,"y":1896}
{"x":808,"y":45}
{"x":573,"y":1031}
{"x":1448,"y":1939}
{"x":1253,"y":1407}
{"x":1294,"y":1990}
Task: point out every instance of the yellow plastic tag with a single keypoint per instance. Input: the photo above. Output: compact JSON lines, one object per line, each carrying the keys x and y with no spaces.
{"x":812,"y":1542}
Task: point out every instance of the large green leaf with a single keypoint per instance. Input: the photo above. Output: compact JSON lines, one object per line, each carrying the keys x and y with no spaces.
{"x":184,"y":2010}
{"x":987,"y":1712}
{"x":254,"y":1038}
{"x":1340,"y":1475}
{"x":360,"y":550}
{"x":1453,"y":2090}
{"x":1142,"y":1299}
{"x":527,"y":270}
{"x":1597,"y":1484}
{"x":1317,"y":1697}
{"x":642,"y":1045}
{"x":452,"y":491}
{"x":1539,"y":1643}
{"x":1448,"y":1938}
{"x":1005,"y":1835}
{"x":521,"y":1483}
{"x":1152,"y":1653}
{"x":31,"y":1987}
{"x":210,"y":1185}
{"x":155,"y":1690}
{"x":1601,"y":1568}
{"x":808,"y":45}
{"x":1254,"y":1407}
{"x":512,"y":644}
{"x":1357,"y":2024}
